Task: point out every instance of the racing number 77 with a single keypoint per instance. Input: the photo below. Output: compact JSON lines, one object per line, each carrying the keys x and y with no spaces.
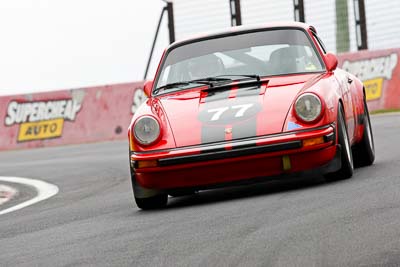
{"x":241,"y":109}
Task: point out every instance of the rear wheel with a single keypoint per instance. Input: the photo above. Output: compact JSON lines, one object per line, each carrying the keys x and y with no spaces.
{"x":364,"y":152}
{"x":346,"y":170}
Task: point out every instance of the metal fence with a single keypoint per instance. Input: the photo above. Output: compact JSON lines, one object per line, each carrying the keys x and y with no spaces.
{"x":339,"y":22}
{"x":343,"y":25}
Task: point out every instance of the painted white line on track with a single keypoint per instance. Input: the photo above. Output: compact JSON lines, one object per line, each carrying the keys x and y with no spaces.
{"x":44,"y":191}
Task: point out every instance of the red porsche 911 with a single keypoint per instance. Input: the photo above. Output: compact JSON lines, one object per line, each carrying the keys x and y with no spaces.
{"x":244,"y":105}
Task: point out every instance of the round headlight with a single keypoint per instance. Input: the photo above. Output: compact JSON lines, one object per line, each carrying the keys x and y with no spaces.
{"x":308,"y":107}
{"x":146,"y":130}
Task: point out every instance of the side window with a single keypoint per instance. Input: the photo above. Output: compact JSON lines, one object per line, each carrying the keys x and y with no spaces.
{"x":320,"y":43}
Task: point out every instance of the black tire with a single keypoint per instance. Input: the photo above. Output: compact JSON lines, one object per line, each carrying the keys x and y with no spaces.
{"x":181,"y":193}
{"x":155,"y":202}
{"x":150,"y":203}
{"x":364,"y":151}
{"x":346,"y":170}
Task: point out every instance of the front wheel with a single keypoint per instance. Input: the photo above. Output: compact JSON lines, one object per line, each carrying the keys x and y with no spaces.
{"x":181,"y":192}
{"x":347,"y":166}
{"x":154,"y":202}
{"x":145,"y":198}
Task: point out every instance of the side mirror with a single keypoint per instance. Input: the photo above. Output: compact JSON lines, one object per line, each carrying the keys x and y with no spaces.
{"x":147,"y":88}
{"x":331,"y":62}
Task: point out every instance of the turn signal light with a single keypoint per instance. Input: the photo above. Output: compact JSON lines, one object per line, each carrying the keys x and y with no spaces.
{"x":313,"y":141}
{"x":286,"y":163}
{"x":146,"y":163}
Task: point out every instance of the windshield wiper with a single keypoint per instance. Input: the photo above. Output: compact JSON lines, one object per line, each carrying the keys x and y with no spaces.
{"x":210,"y":81}
{"x":247,"y":79}
{"x":171,"y":85}
{"x":207,"y":81}
{"x":254,"y":76}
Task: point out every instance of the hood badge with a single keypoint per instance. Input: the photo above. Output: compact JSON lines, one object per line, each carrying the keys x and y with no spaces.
{"x":228,"y":130}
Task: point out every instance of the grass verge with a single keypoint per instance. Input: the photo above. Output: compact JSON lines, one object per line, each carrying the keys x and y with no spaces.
{"x":381,"y":111}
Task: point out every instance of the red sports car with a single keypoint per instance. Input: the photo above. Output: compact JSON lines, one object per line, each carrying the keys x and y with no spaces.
{"x":248,"y":103}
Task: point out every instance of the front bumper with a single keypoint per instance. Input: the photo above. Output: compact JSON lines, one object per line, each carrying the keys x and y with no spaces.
{"x":203,"y":166}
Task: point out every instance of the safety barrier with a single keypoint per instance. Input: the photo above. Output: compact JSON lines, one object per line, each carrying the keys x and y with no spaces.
{"x":68,"y":117}
{"x":380,"y":72}
{"x":104,"y":112}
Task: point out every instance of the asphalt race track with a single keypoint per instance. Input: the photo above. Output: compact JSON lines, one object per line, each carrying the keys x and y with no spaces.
{"x":93,"y":220}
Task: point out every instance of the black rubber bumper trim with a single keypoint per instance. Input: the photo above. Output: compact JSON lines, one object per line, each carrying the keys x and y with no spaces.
{"x":220,"y":146}
{"x":329,"y":137}
{"x":238,"y":152}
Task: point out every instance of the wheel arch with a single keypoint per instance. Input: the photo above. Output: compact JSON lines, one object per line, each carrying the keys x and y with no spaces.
{"x":339,"y":106}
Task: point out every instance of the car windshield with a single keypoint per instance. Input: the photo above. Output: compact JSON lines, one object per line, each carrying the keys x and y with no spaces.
{"x":263,"y":53}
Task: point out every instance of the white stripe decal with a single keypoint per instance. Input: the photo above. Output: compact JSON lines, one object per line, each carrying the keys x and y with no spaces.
{"x":44,"y":191}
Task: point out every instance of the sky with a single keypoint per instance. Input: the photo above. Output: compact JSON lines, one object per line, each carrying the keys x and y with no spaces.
{"x":62,"y":44}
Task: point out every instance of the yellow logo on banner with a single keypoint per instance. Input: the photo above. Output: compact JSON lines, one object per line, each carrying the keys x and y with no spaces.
{"x":373,"y":88}
{"x":40,"y":130}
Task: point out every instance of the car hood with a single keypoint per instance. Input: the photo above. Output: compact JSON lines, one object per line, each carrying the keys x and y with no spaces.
{"x":222,"y":114}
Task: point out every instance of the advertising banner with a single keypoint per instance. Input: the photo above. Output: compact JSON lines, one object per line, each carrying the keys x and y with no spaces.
{"x":380,"y":73}
{"x":68,"y":117}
